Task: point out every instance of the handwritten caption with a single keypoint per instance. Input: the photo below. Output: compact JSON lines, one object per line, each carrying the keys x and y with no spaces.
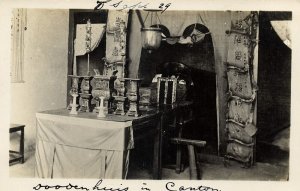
{"x":121,"y":5}
{"x":169,"y":186}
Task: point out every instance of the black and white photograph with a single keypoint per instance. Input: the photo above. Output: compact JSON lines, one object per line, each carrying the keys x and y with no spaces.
{"x":141,"y":92}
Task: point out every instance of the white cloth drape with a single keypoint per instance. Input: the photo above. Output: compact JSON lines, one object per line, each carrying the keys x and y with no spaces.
{"x":81,"y":146}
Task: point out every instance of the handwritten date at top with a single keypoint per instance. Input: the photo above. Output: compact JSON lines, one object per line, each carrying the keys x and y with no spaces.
{"x":121,"y":5}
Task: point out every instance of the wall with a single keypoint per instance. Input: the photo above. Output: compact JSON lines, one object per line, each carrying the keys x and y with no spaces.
{"x":45,"y":69}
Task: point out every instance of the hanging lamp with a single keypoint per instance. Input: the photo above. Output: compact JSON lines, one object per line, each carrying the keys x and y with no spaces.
{"x":151,"y":35}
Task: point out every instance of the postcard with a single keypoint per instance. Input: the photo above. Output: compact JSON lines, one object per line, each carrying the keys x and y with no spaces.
{"x":119,"y":95}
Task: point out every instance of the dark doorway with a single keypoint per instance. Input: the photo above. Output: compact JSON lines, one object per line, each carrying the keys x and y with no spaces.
{"x":199,"y":57}
{"x":274,"y":82}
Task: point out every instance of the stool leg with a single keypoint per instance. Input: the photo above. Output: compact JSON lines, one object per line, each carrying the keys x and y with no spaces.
{"x":178,"y":159}
{"x":178,"y":154}
{"x":192,"y":162}
{"x":22,"y":145}
{"x":198,"y":163}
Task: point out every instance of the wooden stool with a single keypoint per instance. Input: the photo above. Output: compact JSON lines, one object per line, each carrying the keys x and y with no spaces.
{"x":193,"y":156}
{"x":18,"y":155}
{"x":184,"y":117}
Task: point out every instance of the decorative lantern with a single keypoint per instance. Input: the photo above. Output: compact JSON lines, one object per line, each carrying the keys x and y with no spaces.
{"x":151,"y":36}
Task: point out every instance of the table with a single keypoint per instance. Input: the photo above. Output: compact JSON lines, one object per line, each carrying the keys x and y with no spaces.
{"x":84,"y":146}
{"x":17,"y":156}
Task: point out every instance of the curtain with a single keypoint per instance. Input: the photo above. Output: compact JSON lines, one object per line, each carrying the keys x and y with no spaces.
{"x":17,"y":43}
{"x":80,"y":42}
{"x":283,"y":30}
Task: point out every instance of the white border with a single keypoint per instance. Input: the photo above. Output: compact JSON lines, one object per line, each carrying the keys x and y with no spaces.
{"x":14,"y":184}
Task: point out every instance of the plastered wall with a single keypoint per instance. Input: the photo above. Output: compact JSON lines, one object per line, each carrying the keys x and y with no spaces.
{"x":45,"y":70}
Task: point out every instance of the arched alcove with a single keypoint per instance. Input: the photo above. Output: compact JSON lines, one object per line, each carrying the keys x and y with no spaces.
{"x":199,"y":57}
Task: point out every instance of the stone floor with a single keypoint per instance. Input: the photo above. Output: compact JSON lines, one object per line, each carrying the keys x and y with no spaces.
{"x":261,"y":171}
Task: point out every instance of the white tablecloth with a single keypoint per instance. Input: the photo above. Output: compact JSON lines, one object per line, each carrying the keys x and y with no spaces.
{"x":82,"y":146}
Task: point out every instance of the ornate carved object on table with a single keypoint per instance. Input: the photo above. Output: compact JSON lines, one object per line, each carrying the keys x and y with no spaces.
{"x":74,"y":93}
{"x":101,"y":94}
{"x":133,"y":96}
{"x":120,"y":98}
{"x":85,"y":94}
